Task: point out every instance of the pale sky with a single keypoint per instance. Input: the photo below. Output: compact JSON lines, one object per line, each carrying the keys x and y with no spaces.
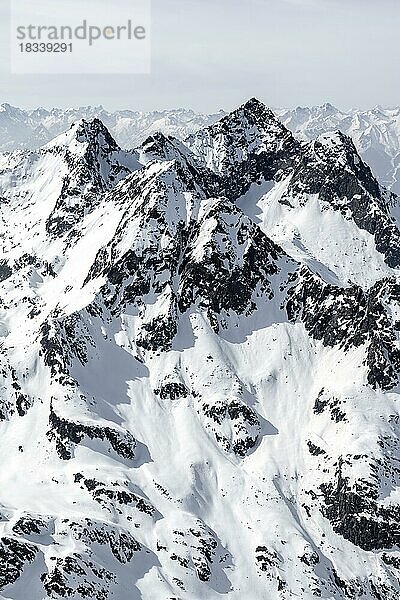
{"x":212,"y":54}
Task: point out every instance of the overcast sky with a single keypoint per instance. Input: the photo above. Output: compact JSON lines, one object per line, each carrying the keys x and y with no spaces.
{"x":212,"y":54}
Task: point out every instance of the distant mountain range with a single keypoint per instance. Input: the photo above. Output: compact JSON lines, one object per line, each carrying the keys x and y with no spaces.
{"x":375,"y":132}
{"x":33,"y":128}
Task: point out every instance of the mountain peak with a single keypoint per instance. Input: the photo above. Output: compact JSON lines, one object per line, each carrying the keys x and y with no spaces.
{"x":90,"y":130}
{"x":248,"y":142}
{"x":252,"y":124}
{"x":256,"y":107}
{"x":257,"y":114}
{"x":83,"y":134}
{"x":328,"y":107}
{"x":12,"y":111}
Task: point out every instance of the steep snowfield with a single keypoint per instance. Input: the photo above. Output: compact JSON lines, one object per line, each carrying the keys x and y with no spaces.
{"x":199,"y":368}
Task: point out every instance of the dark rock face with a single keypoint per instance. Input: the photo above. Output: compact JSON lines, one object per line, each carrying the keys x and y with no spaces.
{"x":13,"y":399}
{"x":350,"y":317}
{"x":239,"y":418}
{"x":62,"y":340}
{"x":5,"y":270}
{"x":65,"y":433}
{"x":83,"y":574}
{"x":159,"y":332}
{"x":269,"y":563}
{"x":355,"y":513}
{"x":76,"y":575}
{"x":391,"y":560}
{"x":266,"y":558}
{"x":198,"y":549}
{"x":324,"y":402}
{"x":113,"y":498}
{"x":172,"y":391}
{"x":310,"y":558}
{"x":14,"y":555}
{"x":132,"y":275}
{"x":353,"y":495}
{"x":314,"y":449}
{"x":28,"y":525}
{"x":204,"y":555}
{"x":122,"y":545}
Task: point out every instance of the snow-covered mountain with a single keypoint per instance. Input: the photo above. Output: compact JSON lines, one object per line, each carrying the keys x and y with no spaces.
{"x":375,"y":132}
{"x":200,"y":366}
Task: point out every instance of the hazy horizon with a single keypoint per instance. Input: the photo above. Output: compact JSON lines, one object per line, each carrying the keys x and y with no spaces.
{"x":214,"y":55}
{"x":216,"y":110}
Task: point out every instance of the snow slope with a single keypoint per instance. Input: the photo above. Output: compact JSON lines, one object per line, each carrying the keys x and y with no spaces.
{"x":199,"y":368}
